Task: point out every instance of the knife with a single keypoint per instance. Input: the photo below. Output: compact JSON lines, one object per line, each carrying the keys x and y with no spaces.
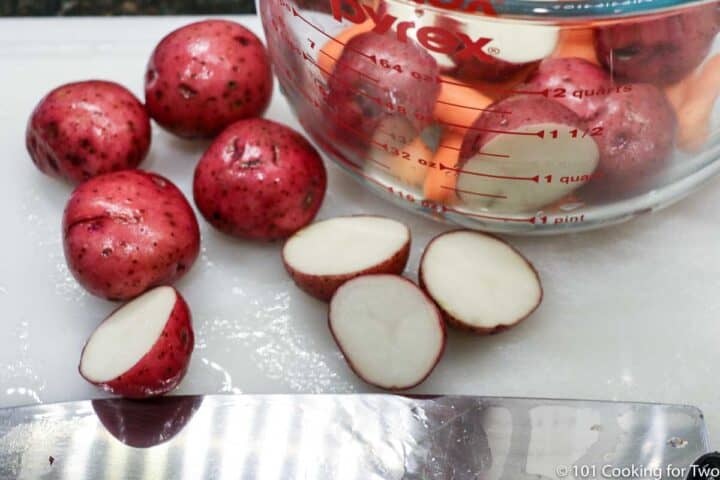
{"x":351,"y":437}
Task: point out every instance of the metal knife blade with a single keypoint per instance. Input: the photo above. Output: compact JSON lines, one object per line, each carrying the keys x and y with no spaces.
{"x":346,"y":437}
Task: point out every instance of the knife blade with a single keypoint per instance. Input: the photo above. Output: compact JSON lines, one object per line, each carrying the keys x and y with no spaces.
{"x":349,"y":437}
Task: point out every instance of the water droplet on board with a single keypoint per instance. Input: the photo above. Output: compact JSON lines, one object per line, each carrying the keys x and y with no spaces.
{"x":677,"y":442}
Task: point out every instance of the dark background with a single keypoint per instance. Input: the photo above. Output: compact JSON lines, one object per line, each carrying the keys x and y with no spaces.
{"x":123,"y":7}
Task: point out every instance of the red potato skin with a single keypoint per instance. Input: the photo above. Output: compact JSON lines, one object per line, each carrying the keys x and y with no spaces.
{"x":395,"y":388}
{"x":129,"y":231}
{"x":84,"y":129}
{"x":573,"y":82}
{"x":638,"y":136}
{"x":162,"y":368}
{"x":351,"y":98}
{"x":495,"y":71}
{"x":259,"y":180}
{"x":457,"y":323}
{"x":660,"y":50}
{"x":323,"y":287}
{"x":145,"y":424}
{"x":205,"y":76}
{"x":521,"y":110}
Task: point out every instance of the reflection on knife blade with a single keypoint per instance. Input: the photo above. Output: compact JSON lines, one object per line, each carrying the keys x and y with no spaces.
{"x":341,"y":437}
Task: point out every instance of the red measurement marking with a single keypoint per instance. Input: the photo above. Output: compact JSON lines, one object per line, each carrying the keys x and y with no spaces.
{"x":535,"y":179}
{"x":497,"y":155}
{"x":488,"y":110}
{"x":449,"y":147}
{"x":539,"y":133}
{"x":362,"y":74}
{"x":331,"y":74}
{"x":308,"y":58}
{"x":544,"y":93}
{"x":479,"y":194}
{"x":377,"y":145}
{"x":450,"y":82}
{"x":323,"y":32}
{"x":492,"y":217}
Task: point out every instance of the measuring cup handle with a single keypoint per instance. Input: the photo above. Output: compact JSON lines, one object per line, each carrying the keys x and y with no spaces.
{"x":705,"y":467}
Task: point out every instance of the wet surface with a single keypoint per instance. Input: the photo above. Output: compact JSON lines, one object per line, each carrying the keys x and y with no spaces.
{"x":630,"y":312}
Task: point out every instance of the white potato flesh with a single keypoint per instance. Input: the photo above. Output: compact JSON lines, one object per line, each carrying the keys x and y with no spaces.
{"x":568,"y":160}
{"x":127,"y":335}
{"x":514,"y":42}
{"x":388,"y":330}
{"x":345,"y":245}
{"x":479,"y":280}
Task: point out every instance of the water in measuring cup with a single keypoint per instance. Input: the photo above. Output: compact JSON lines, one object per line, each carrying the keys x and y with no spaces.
{"x":505,"y":125}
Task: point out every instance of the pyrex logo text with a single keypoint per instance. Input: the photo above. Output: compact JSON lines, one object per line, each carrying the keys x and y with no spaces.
{"x":433,"y":38}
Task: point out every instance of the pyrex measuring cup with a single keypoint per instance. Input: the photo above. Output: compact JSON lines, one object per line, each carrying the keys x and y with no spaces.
{"x":532,"y":116}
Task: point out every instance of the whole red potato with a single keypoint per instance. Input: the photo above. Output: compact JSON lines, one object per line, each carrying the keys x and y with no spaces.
{"x":576,"y":83}
{"x":394,"y":99}
{"x":83,"y":129}
{"x":205,"y":76}
{"x":126,"y":232}
{"x":660,"y":50}
{"x":636,"y":135}
{"x":259,"y":180}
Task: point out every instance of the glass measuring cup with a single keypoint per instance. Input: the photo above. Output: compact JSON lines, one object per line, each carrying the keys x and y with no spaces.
{"x":521,"y":116}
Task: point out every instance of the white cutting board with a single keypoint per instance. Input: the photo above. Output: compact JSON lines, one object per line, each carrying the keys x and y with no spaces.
{"x":630,"y":313}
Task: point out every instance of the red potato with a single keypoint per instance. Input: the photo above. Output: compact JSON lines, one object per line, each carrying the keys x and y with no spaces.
{"x":535,"y":137}
{"x":391,"y":334}
{"x":324,"y":255}
{"x":638,"y":130}
{"x":660,"y":50}
{"x":84,"y":129}
{"x":358,"y":106}
{"x":126,"y":232}
{"x":205,"y":76}
{"x":259,"y":180}
{"x":576,"y":83}
{"x":143,"y":348}
{"x":493,"y":70}
{"x":147,"y":423}
{"x":479,"y":282}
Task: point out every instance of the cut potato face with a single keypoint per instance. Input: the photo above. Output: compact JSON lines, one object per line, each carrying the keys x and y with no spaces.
{"x":528,"y":153}
{"x":515,"y":42}
{"x":390,"y":332}
{"x":127,"y":335}
{"x":561,"y":165}
{"x":143,"y":348}
{"x":326,"y":254}
{"x":479,"y":282}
